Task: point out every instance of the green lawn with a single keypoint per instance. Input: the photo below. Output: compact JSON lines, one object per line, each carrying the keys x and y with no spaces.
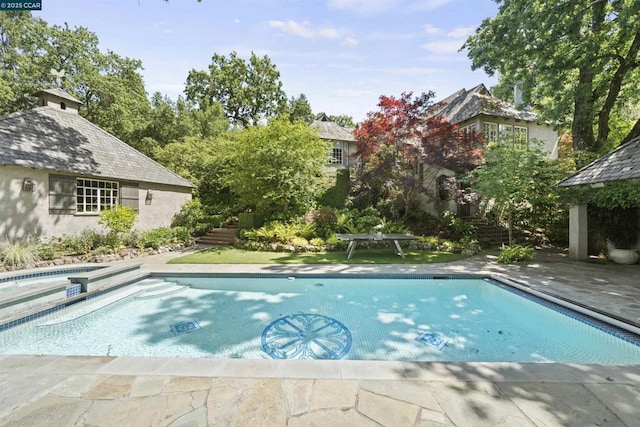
{"x":364,"y":256}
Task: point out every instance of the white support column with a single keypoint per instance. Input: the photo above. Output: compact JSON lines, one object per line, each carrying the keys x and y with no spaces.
{"x":578,"y":233}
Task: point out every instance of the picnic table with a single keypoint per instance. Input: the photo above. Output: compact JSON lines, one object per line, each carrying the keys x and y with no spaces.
{"x":353,"y":240}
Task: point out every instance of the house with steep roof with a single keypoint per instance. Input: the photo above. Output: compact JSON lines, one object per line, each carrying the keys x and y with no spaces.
{"x":344,"y":143}
{"x":58,"y":171}
{"x":477,"y":110}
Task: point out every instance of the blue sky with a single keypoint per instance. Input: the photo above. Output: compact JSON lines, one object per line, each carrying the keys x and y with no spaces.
{"x":342,"y":54}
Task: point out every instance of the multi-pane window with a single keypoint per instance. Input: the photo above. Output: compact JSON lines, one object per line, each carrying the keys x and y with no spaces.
{"x":515,"y":135}
{"x":490,"y":131}
{"x":468,"y":128}
{"x":505,"y":132}
{"x":93,"y":196}
{"x":520,"y":137}
{"x":336,"y":157}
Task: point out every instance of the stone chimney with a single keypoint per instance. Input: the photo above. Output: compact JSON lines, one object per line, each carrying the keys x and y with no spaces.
{"x":517,"y":96}
{"x":57,"y":98}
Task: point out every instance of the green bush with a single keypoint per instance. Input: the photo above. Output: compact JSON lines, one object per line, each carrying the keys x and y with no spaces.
{"x":46,"y":251}
{"x":469,"y":245}
{"x":394,"y":227}
{"x":515,"y":253}
{"x":81,"y":244}
{"x":119,"y":219}
{"x":16,"y":254}
{"x":182,"y":235}
{"x":285,"y":232}
{"x":299,"y":241}
{"x":250,"y":220}
{"x":325,"y":221}
{"x":458,"y":226}
{"x":191,"y":214}
{"x":318,"y":242}
{"x":336,"y":195}
{"x":307,"y":230}
{"x":333,"y":240}
{"x":155,"y":238}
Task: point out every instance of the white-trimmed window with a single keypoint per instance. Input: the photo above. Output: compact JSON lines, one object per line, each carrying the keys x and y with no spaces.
{"x":337,"y":154}
{"x":490,"y":131}
{"x":505,"y":132}
{"x":520,"y":136}
{"x":468,"y":128}
{"x":94,"y":196}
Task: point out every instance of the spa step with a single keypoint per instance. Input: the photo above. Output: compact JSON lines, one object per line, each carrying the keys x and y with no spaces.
{"x":159,"y":289}
{"x":74,"y":312}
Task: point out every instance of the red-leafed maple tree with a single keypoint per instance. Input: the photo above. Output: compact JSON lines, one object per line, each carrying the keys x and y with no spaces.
{"x":400,"y":147}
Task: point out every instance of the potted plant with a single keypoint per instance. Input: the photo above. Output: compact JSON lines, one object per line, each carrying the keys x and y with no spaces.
{"x":621,"y":227}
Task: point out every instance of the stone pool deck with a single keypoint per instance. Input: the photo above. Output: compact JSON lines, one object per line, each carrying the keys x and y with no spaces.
{"x":125,"y":391}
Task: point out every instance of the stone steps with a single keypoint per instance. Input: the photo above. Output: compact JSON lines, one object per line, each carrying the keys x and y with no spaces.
{"x":224,"y":236}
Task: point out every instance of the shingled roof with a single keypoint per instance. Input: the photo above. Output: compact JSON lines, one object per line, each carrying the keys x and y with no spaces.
{"x":332,"y":131}
{"x":57,"y":140}
{"x":621,"y":164}
{"x":465,"y":104}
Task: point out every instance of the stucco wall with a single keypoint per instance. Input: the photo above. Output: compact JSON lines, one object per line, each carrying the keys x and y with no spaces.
{"x":27,"y":214}
{"x":547,"y":135}
{"x":427,"y":201}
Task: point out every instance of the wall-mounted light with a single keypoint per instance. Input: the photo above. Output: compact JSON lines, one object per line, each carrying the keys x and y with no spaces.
{"x":149,"y":194}
{"x":28,"y":185}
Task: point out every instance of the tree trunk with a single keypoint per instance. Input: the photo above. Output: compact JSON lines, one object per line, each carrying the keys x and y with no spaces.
{"x":510,"y":227}
{"x":626,"y":64}
{"x":582,"y":128}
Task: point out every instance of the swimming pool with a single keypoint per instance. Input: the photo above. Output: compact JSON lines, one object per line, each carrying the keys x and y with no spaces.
{"x":12,"y":281}
{"x":413,"y":318}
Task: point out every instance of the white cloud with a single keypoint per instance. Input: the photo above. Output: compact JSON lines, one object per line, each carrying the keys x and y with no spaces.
{"x":350,"y":41}
{"x":427,"y":4}
{"x":363,"y":6}
{"x":461,"y":32}
{"x":236,"y":21}
{"x":304,"y":29}
{"x":452,"y":43}
{"x":443,"y":46}
{"x":379,"y":6}
{"x":430,"y":29}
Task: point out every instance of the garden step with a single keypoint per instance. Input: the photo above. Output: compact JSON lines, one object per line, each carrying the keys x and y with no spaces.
{"x":224,"y":236}
{"x":489,"y":233}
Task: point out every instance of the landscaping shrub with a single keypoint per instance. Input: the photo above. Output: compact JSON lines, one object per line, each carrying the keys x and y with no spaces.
{"x":182,"y":235}
{"x":19,"y":254}
{"x":81,"y":244}
{"x":155,"y":238}
{"x":191,"y":214}
{"x":457,"y":226}
{"x":317,"y":242}
{"x":118,"y":221}
{"x":336,"y":195}
{"x":325,"y":221}
{"x":47,"y":251}
{"x":515,"y":253}
{"x":299,"y":242}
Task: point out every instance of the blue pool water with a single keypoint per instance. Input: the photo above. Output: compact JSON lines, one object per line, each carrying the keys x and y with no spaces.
{"x":416,"y":319}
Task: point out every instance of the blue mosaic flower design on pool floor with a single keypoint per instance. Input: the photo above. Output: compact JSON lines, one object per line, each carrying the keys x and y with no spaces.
{"x":306,"y":336}
{"x":432,"y":339}
{"x":185,"y":327}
